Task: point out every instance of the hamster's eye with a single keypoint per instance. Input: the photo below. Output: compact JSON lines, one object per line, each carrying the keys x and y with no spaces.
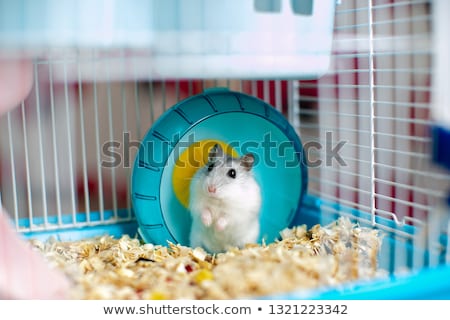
{"x":210,"y":166}
{"x":231,"y":173}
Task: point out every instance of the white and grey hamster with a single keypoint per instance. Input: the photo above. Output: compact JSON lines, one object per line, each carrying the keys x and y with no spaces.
{"x":225,"y":201}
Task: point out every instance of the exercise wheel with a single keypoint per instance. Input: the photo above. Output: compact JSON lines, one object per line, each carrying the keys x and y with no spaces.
{"x":178,"y":144}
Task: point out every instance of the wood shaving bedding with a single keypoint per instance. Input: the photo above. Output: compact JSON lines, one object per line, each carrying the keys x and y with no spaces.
{"x":108,"y":268}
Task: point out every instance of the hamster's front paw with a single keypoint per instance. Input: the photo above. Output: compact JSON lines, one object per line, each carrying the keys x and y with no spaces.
{"x":206,"y":217}
{"x":220,"y":224}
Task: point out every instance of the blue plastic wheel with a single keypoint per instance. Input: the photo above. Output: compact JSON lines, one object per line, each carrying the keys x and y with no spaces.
{"x":178,"y":143}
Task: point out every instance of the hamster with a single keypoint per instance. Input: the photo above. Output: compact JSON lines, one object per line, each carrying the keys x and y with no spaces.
{"x":225,"y":201}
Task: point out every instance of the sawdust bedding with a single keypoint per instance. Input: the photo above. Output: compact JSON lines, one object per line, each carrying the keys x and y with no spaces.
{"x":125,"y":268}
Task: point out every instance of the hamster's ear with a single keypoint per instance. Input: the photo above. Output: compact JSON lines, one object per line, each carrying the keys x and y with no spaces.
{"x":247,"y":161}
{"x":215,"y":152}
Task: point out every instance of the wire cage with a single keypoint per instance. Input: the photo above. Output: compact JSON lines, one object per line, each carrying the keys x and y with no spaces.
{"x":365,"y":126}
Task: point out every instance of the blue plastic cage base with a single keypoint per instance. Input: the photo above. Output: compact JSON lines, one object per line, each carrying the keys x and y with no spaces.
{"x":427,"y":284}
{"x":115,"y":230}
{"x":424,"y":283}
{"x":63,"y":229}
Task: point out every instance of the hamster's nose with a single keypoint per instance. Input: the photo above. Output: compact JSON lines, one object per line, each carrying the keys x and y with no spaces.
{"x":211,"y":189}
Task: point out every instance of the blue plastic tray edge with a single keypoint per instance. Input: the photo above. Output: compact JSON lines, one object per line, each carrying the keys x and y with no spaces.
{"x":427,"y":284}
